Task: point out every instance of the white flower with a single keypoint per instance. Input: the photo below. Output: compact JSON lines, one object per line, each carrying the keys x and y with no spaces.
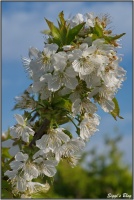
{"x":92,"y":80}
{"x":64,"y":91}
{"x":25,"y":101}
{"x":34,"y":187}
{"x":112,"y":75}
{"x":17,"y":181}
{"x":47,"y":55}
{"x":46,"y":167}
{"x":88,"y":125}
{"x":33,"y":65}
{"x":80,"y":106}
{"x":21,"y":130}
{"x":40,"y":62}
{"x":78,"y":92}
{"x":105,"y":94}
{"x":69,"y":148}
{"x":90,"y":19}
{"x":33,"y":53}
{"x":88,"y":61}
{"x":53,"y":139}
{"x":101,"y":46}
{"x":40,"y":153}
{"x":21,"y":162}
{"x":11,"y":174}
{"x":21,"y":183}
{"x":77,"y":19}
{"x":70,"y":151}
{"x":83,"y":59}
{"x":42,"y":88}
{"x":62,"y":75}
{"x":60,"y":61}
{"x":13,"y":148}
{"x":61,"y":78}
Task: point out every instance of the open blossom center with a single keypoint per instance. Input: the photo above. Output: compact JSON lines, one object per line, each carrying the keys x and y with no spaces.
{"x":45,"y":58}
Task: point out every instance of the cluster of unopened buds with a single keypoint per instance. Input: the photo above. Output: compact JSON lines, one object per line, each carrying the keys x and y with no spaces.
{"x":77,"y":69}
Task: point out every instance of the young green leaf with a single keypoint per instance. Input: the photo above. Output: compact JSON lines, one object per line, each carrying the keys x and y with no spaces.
{"x":54,"y":29}
{"x":68,"y":133}
{"x":61,"y":17}
{"x":72,"y":33}
{"x":98,"y":31}
{"x":112,"y":38}
{"x":116,"y":112}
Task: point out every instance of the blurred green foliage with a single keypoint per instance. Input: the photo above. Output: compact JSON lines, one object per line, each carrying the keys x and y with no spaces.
{"x":95,"y":176}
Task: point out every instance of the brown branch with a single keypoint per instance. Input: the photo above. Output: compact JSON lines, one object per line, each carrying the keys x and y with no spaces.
{"x":40,"y":132}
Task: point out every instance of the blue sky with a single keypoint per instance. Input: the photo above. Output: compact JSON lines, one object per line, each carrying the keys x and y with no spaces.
{"x":21,"y":26}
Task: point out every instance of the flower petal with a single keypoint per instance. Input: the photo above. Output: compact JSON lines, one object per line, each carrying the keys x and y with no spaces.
{"x":21,"y":157}
{"x":16,"y":165}
{"x":21,"y":184}
{"x":54,"y":83}
{"x":61,"y":135}
{"x":43,"y":142}
{"x":14,"y":150}
{"x":14,"y":133}
{"x":7,"y":143}
{"x":25,"y":136}
{"x":11,"y":174}
{"x":49,"y":171}
{"x":19,"y":119}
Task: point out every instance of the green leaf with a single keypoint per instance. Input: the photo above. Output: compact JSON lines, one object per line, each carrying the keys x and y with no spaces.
{"x":58,"y":34}
{"x":112,"y":38}
{"x":116,"y":112}
{"x":62,"y":103}
{"x":68,"y":133}
{"x":46,"y":32}
{"x":5,"y":153}
{"x":72,"y":33}
{"x":61,"y":17}
{"x":5,"y":184}
{"x":6,"y":194}
{"x":63,"y":32}
{"x":98,"y":31}
{"x":54,"y":30}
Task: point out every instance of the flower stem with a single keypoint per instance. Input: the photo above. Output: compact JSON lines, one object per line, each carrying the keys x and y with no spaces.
{"x":72,"y":122}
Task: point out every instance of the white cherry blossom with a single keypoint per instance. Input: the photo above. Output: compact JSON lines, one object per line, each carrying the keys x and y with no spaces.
{"x":13,"y":149}
{"x":46,"y":167}
{"x":21,"y":130}
{"x":21,"y":162}
{"x":34,"y":187}
{"x":105,"y":94}
{"x":90,"y":19}
{"x":84,"y":62}
{"x":77,"y":19}
{"x":60,"y":61}
{"x":69,"y":148}
{"x":41,"y":87}
{"x":61,"y":78}
{"x":53,"y":139}
{"x":88,"y":125}
{"x":84,"y":105}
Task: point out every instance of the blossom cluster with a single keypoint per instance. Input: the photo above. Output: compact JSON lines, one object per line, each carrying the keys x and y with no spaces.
{"x":77,"y":69}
